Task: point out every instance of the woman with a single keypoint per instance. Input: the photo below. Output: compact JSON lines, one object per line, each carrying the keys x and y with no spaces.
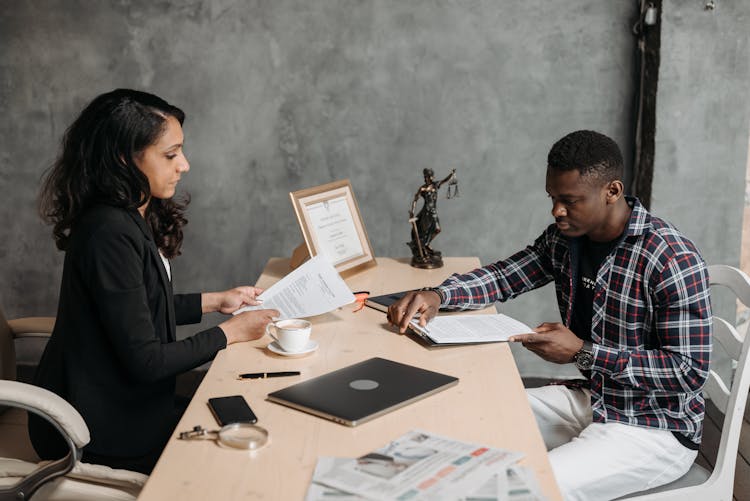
{"x":113,"y":353}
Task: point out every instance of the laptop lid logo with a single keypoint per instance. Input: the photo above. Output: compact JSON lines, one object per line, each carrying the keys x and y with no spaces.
{"x":364,"y":384}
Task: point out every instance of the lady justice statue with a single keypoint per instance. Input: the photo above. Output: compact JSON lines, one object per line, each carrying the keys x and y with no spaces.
{"x":426,"y":225}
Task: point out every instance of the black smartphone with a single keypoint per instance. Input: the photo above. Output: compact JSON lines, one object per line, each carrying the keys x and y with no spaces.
{"x":233,"y":409}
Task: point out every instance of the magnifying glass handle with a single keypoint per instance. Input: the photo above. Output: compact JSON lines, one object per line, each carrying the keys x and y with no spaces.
{"x":197,"y":432}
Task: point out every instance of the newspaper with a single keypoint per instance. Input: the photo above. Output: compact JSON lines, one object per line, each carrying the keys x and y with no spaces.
{"x":417,"y":466}
{"x":518,"y":484}
{"x":319,"y":492}
{"x":521,"y":485}
{"x":312,"y":289}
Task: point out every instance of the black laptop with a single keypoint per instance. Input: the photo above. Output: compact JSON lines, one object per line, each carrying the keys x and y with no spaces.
{"x":361,"y":392}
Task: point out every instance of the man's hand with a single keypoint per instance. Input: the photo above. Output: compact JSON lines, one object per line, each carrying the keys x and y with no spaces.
{"x":231,"y":300}
{"x":552,"y":341}
{"x":401,"y":312}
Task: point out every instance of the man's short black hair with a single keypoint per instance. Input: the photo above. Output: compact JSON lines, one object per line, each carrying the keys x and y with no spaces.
{"x":588,"y":152}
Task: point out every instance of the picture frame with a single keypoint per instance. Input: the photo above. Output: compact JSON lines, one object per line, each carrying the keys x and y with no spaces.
{"x":331,"y":224}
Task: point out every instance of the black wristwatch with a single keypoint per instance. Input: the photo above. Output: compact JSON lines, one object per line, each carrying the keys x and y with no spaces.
{"x":584,"y":359}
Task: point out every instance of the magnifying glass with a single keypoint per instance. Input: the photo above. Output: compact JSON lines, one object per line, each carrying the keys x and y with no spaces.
{"x":235,"y":435}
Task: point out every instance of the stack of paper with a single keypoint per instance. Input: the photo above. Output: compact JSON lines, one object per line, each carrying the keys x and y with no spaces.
{"x":466,"y":329}
{"x":419,"y":466}
{"x":312,"y":289}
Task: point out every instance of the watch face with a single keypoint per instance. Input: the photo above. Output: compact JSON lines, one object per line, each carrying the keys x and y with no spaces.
{"x":584,"y":360}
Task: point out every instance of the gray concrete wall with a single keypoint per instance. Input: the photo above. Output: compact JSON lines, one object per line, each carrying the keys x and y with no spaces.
{"x":703,"y":108}
{"x":287,"y":94}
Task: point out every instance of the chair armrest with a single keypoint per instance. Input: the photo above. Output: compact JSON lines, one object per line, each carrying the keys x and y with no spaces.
{"x":32,"y":326}
{"x":48,"y":405}
{"x":10,"y":467}
{"x":106,"y":475}
{"x":130,"y":481}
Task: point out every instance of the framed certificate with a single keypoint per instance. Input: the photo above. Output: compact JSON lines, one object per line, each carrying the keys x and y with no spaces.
{"x":329,"y":218}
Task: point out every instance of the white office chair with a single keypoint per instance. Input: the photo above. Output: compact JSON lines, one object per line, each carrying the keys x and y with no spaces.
{"x":67,"y":478}
{"x":699,"y":484}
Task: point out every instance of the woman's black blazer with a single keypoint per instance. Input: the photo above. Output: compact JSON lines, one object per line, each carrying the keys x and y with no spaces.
{"x":113,"y":353}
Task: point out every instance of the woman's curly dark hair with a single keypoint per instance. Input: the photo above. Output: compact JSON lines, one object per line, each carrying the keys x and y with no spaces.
{"x":98,"y":165}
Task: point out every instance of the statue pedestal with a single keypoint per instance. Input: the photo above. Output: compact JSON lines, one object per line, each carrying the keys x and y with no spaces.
{"x":427,"y":263}
{"x":426,"y":259}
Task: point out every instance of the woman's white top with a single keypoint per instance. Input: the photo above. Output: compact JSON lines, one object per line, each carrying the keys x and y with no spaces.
{"x":166,"y":265}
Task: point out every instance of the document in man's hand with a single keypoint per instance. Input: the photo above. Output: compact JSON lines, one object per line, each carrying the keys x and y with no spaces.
{"x":312,"y":289}
{"x":469,"y":329}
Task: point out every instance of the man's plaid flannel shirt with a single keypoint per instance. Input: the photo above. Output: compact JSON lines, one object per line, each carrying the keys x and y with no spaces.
{"x":651,"y":324}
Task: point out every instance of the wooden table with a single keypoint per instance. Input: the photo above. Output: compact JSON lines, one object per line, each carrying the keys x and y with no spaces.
{"x":488,"y":406}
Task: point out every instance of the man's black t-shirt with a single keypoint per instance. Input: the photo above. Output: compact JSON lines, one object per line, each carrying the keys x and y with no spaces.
{"x":592,"y":254}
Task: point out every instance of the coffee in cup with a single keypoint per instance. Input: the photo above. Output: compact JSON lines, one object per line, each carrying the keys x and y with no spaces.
{"x":292,"y":334}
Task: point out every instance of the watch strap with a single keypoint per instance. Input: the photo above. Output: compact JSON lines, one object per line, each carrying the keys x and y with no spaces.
{"x":584,"y":358}
{"x":435,"y":290}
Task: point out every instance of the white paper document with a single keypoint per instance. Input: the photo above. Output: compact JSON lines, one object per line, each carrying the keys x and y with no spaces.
{"x":416,"y":466}
{"x":312,"y":289}
{"x":470,"y":328}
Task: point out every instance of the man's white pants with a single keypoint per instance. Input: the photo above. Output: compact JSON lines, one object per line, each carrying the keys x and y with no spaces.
{"x":602,"y":461}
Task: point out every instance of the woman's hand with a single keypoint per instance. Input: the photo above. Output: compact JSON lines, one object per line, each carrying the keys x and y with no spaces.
{"x":231,"y":300}
{"x":247,"y":326}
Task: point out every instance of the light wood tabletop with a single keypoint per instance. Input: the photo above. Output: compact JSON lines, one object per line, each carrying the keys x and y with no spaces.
{"x":488,"y":406}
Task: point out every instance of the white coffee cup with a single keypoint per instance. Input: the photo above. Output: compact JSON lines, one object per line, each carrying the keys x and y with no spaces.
{"x":292,"y":334}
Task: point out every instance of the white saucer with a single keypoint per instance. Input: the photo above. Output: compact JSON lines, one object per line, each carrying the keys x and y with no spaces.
{"x":311,"y":347}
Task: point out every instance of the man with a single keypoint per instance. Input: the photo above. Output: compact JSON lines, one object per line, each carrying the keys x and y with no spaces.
{"x":633,"y":295}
